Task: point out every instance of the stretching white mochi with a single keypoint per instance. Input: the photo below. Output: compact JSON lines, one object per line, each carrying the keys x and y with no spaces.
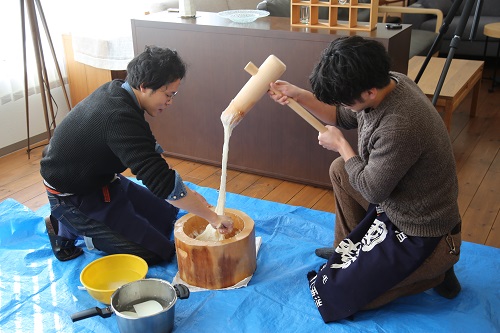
{"x":270,"y":70}
{"x":228,"y":129}
{"x":210,"y":234}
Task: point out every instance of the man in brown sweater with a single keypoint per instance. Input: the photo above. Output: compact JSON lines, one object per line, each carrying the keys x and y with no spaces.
{"x":397,"y":228}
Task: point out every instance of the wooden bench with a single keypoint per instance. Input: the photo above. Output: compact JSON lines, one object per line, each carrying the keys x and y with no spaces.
{"x":462,"y":77}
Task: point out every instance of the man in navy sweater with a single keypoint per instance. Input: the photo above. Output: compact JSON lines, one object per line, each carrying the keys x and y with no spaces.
{"x":101,"y":137}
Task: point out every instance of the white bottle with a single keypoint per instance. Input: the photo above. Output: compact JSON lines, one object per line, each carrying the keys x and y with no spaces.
{"x":187,"y":8}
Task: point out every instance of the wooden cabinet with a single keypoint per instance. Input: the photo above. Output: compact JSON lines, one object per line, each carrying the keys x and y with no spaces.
{"x":333,"y":6}
{"x":84,"y":79}
{"x":271,"y":140}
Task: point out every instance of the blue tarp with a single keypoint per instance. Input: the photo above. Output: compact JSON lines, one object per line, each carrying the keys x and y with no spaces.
{"x":39,"y":293}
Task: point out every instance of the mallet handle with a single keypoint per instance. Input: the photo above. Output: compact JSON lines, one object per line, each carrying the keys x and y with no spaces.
{"x":313,"y":121}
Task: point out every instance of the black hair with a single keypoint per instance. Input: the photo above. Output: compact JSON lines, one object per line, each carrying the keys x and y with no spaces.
{"x":154,"y":68}
{"x":348,"y":67}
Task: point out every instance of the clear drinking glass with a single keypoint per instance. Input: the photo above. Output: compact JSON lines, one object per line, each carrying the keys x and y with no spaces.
{"x":304,"y":14}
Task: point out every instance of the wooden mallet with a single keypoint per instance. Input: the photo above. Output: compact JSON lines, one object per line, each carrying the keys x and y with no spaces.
{"x":270,"y":70}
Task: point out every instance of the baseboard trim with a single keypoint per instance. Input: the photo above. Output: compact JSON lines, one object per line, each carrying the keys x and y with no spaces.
{"x":35,"y":142}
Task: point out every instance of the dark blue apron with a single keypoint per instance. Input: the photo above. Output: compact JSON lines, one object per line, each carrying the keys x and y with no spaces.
{"x":372,"y":259}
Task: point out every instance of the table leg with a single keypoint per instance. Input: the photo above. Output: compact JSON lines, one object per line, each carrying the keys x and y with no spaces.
{"x":475,"y":99}
{"x":485,"y":47}
{"x":448,"y":112}
{"x":493,"y":80}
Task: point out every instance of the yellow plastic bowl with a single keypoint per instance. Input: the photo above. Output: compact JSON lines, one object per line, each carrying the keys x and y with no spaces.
{"x":103,"y":276}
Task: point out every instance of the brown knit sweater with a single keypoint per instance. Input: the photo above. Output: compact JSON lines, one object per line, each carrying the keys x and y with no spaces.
{"x":405,"y":161}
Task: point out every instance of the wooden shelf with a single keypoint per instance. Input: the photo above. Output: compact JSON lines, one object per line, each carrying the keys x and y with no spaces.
{"x":333,"y":21}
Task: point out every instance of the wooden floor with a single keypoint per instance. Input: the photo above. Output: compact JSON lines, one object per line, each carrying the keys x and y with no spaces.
{"x":476,"y":143}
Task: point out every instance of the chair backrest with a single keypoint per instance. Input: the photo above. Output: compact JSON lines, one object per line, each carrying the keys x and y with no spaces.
{"x":384,"y":10}
{"x":421,"y":40}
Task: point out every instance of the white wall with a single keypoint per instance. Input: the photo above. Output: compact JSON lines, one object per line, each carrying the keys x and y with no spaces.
{"x":13,"y":118}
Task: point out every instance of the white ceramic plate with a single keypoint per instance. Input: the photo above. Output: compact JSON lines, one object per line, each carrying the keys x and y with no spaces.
{"x":243,"y":15}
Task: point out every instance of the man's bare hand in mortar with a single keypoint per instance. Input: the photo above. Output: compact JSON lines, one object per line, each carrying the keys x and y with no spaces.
{"x":195,"y":203}
{"x":223,"y":224}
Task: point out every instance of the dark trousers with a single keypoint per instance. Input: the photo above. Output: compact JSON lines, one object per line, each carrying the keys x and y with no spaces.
{"x":133,"y":221}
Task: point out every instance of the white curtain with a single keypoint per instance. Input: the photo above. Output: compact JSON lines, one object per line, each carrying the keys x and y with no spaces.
{"x":11,"y":51}
{"x":62,"y":16}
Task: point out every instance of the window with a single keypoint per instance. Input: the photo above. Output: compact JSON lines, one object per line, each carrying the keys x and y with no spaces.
{"x":11,"y":52}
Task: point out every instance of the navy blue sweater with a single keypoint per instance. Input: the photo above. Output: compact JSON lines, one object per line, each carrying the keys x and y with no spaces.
{"x":104,"y":134}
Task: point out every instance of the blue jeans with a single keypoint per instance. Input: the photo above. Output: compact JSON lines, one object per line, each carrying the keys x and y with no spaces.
{"x":133,"y":221}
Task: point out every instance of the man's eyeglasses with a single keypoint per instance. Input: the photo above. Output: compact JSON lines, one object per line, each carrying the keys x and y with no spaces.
{"x":171,"y":97}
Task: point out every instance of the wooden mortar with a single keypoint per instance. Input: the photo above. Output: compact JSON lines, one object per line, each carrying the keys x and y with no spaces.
{"x":215,"y":265}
